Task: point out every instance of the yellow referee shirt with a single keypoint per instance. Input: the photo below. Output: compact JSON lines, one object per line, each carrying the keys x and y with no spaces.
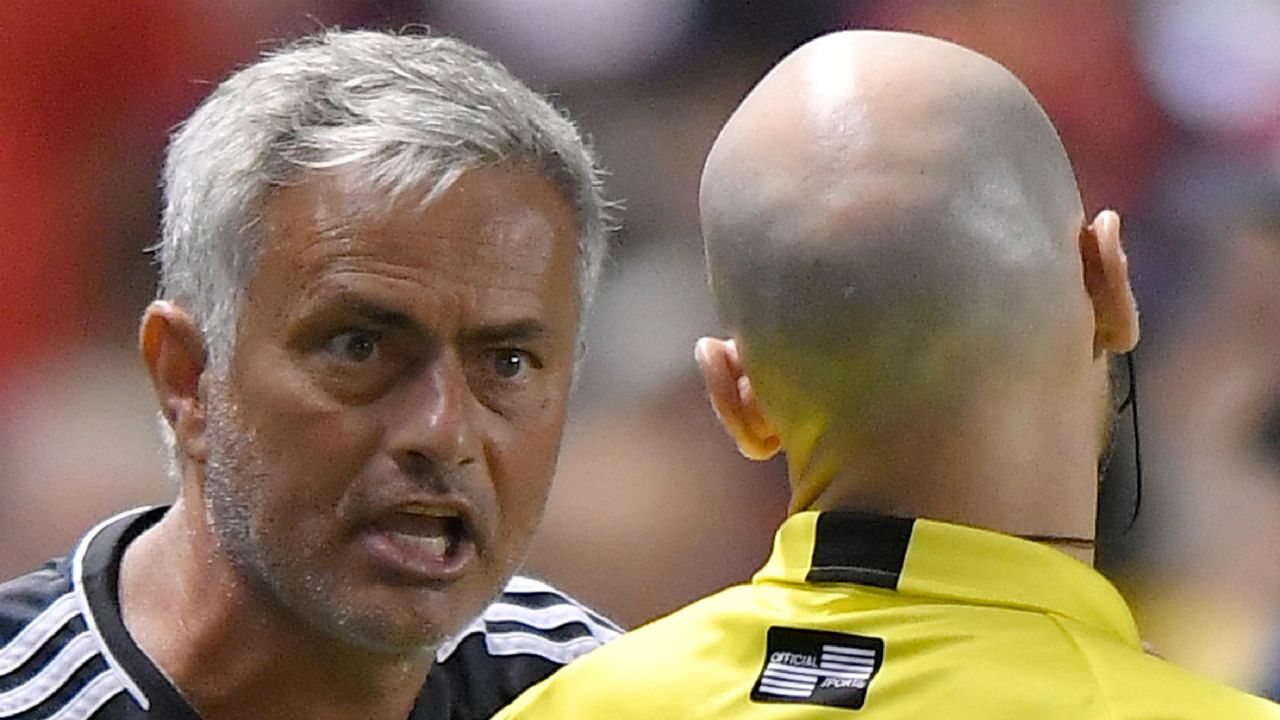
{"x":886,"y":618}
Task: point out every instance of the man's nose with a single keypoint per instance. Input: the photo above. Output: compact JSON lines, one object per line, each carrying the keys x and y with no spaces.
{"x":432,"y":429}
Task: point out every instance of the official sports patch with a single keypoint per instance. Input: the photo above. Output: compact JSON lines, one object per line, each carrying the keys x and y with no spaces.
{"x":815,"y":667}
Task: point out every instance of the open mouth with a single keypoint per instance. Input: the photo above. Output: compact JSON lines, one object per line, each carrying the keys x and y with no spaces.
{"x":427,"y":542}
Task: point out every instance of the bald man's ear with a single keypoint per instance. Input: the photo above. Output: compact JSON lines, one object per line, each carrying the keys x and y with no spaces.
{"x":733,"y":399}
{"x":1106,"y":278}
{"x":174,"y":353}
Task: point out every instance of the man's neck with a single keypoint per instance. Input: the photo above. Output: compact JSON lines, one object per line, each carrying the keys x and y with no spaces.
{"x":235,"y":652}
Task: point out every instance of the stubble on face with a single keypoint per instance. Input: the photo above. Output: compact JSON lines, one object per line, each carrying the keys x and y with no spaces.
{"x":235,"y":475}
{"x":414,"y":358}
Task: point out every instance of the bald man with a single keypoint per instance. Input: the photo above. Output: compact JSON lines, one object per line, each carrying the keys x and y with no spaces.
{"x":922,"y":319}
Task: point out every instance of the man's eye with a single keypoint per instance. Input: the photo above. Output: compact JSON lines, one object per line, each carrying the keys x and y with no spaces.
{"x":354,"y":346}
{"x":509,"y":364}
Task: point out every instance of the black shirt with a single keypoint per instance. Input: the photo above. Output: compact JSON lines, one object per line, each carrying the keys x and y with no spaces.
{"x":65,"y":652}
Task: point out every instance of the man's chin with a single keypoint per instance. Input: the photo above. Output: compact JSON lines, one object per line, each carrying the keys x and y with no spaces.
{"x":379,"y":637}
{"x":403,"y":619}
{"x":410,"y":625}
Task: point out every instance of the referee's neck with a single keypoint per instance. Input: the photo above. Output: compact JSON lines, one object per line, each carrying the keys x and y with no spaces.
{"x":1060,"y":514}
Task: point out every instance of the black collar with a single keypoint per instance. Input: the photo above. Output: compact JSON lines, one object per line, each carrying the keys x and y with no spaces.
{"x":97,"y":582}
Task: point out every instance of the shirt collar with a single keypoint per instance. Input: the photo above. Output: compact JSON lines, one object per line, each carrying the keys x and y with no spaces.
{"x":96,"y":570}
{"x":932,"y":559}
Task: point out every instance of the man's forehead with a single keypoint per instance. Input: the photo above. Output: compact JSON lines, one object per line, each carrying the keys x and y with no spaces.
{"x":506,"y":215}
{"x":497,"y":246}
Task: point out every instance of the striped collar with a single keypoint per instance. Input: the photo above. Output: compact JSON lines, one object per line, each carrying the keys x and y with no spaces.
{"x":96,"y":568}
{"x":943,"y":561}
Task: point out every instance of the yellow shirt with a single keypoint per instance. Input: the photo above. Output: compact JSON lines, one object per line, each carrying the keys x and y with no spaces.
{"x":859,"y":616}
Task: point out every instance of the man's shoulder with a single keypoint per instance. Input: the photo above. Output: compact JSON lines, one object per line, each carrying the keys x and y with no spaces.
{"x":27,"y":598}
{"x":50,"y":663}
{"x":527,"y":633}
{"x":55,"y":660}
{"x":531,"y":618}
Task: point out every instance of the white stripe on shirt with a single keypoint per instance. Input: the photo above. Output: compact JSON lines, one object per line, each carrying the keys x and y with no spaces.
{"x":37,"y":633}
{"x":51,"y":678}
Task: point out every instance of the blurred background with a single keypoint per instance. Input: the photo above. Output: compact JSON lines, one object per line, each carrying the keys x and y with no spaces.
{"x":1170,"y":110}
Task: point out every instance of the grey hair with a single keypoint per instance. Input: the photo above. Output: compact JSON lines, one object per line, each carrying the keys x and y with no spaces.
{"x":411,"y":111}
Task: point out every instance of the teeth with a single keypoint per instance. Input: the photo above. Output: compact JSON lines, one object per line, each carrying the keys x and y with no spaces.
{"x":423,"y":529}
{"x":433,"y":544}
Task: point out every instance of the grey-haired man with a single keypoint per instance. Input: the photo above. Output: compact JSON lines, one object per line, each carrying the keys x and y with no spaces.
{"x":377,"y":253}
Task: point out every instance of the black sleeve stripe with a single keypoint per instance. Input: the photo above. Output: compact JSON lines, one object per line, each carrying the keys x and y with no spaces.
{"x":534,"y":600}
{"x":534,"y":593}
{"x":605,"y":622}
{"x":537,"y":600}
{"x":561,"y":634}
{"x":533,"y":618}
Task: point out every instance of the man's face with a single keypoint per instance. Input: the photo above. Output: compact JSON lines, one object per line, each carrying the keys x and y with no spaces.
{"x":381,"y":451}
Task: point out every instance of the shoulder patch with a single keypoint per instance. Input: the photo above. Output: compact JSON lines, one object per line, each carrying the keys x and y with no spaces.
{"x":817,"y":667}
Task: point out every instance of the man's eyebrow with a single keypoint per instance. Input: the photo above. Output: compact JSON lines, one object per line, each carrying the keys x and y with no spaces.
{"x":524,"y":330}
{"x":371,"y":311}
{"x":517,"y":331}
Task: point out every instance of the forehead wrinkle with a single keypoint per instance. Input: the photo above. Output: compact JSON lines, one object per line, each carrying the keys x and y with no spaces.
{"x":377,"y":283}
{"x":427,"y":259}
{"x":340,"y":218}
{"x":521,"y":237}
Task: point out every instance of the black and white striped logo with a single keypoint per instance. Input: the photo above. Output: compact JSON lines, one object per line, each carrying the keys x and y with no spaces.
{"x":817,"y":667}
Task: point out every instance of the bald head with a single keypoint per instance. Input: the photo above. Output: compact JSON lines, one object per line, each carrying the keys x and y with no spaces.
{"x":889,"y":220}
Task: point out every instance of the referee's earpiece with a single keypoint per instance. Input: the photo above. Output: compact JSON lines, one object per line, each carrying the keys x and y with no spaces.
{"x":734,"y":401}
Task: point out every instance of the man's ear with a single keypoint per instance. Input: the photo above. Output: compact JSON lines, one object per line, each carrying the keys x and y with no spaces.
{"x":733,"y":399}
{"x":1106,"y":278}
{"x":174,"y":353}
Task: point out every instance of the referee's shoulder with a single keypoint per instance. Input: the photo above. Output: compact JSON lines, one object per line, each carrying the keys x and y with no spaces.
{"x":1136,"y":684}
